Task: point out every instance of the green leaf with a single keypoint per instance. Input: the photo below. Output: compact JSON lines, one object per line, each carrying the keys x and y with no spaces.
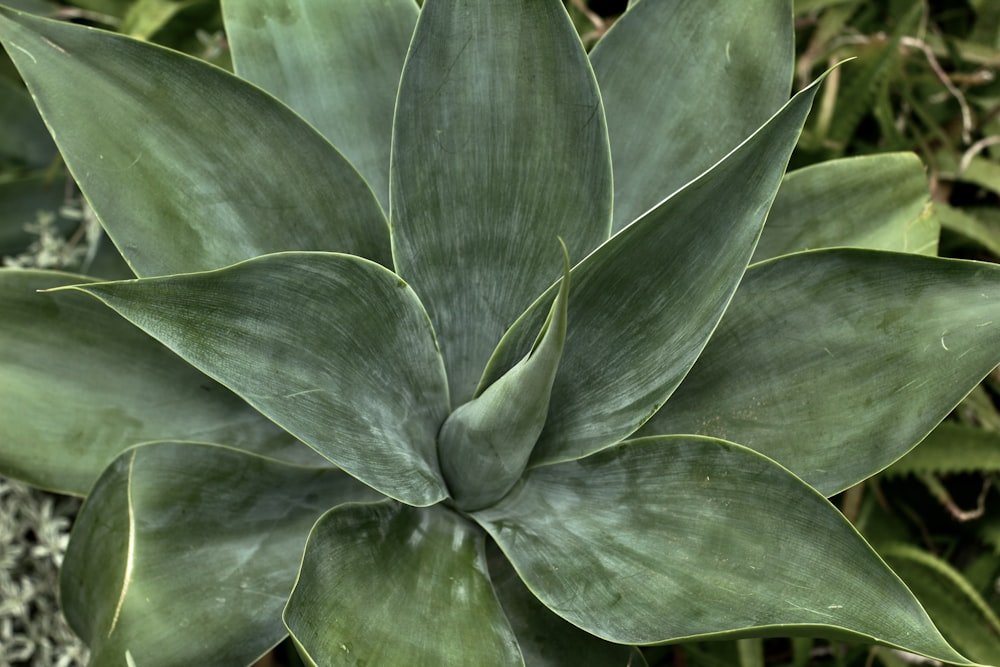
{"x":684,"y":83}
{"x":499,"y":147}
{"x":876,"y":201}
{"x":386,"y":584}
{"x":485,"y":444}
{"x":80,"y":385}
{"x":682,"y":537}
{"x":170,"y":563}
{"x":824,"y":354}
{"x":225,"y":172}
{"x":958,"y":610}
{"x":335,"y":349}
{"x":345,"y":86}
{"x":545,"y":639}
{"x":629,"y":292}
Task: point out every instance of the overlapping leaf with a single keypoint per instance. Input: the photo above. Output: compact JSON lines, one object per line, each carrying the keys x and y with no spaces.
{"x":224,"y":173}
{"x":684,"y":83}
{"x":170,"y":563}
{"x":346,"y":87}
{"x":499,"y":148}
{"x":335,"y":349}
{"x":677,"y":537}
{"x":643,"y":305}
{"x":80,"y":385}
{"x":386,"y":584}
{"x":836,"y":362}
{"x":875,"y":201}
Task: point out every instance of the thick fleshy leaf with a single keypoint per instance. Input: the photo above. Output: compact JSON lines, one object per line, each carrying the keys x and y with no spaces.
{"x":642,"y":306}
{"x":485,"y":444}
{"x":499,"y":148}
{"x":335,"y":349}
{"x":170,"y":563}
{"x":693,"y":80}
{"x":875,"y":201}
{"x":80,"y":385}
{"x":547,"y":640}
{"x":836,"y":362}
{"x":680,"y":537}
{"x":336,"y":63}
{"x":386,"y":584}
{"x":222,"y":173}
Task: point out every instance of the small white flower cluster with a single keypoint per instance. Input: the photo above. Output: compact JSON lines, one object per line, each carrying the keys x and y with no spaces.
{"x":52,"y":249}
{"x":34,"y":532}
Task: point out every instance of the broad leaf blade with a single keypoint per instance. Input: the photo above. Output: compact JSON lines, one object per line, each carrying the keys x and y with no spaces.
{"x":836,"y":362}
{"x":80,"y":385}
{"x":545,"y":639}
{"x":188,"y":167}
{"x":643,"y":305}
{"x":683,"y":84}
{"x":336,"y":63}
{"x":875,"y":201}
{"x":485,"y":444}
{"x":385,"y":584}
{"x":170,"y":563}
{"x":335,"y":349}
{"x":674,"y":538}
{"x":499,"y":148}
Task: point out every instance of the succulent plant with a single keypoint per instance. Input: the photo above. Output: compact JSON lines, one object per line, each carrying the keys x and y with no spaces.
{"x":449,"y":344}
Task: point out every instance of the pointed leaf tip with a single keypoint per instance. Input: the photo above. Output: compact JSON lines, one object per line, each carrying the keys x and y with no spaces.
{"x":485,"y":444}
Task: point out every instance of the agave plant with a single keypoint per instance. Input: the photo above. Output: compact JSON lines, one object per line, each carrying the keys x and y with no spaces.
{"x":507,"y":422}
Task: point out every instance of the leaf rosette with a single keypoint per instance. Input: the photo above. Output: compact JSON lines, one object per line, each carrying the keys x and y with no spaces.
{"x":381,"y":410}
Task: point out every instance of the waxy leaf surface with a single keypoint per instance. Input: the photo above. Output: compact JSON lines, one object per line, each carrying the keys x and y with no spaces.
{"x":499,"y":148}
{"x":643,"y":305}
{"x":345,"y":86}
{"x":80,"y":385}
{"x":546,"y":640}
{"x":875,"y":201}
{"x":836,"y":362}
{"x":684,"y":83}
{"x":677,"y":537}
{"x":386,"y":584}
{"x":170,"y":563}
{"x":225,"y":173}
{"x":333,"y":348}
{"x":486,"y":443}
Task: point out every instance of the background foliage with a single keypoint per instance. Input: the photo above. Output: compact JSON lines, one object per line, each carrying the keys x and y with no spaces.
{"x":924,"y":80}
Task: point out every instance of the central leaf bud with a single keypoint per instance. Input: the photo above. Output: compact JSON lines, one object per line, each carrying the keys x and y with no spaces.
{"x":485,"y":444}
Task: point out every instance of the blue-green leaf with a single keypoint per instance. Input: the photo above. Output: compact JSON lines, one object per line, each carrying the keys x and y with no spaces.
{"x":499,"y":148}
{"x":170,"y":563}
{"x":336,"y":63}
{"x":683,"y":84}
{"x":682,"y":537}
{"x":188,"y":167}
{"x":80,"y":385}
{"x":335,"y":349}
{"x":485,"y":444}
{"x":875,"y":201}
{"x":836,"y":362}
{"x":643,"y":305}
{"x":386,"y":584}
